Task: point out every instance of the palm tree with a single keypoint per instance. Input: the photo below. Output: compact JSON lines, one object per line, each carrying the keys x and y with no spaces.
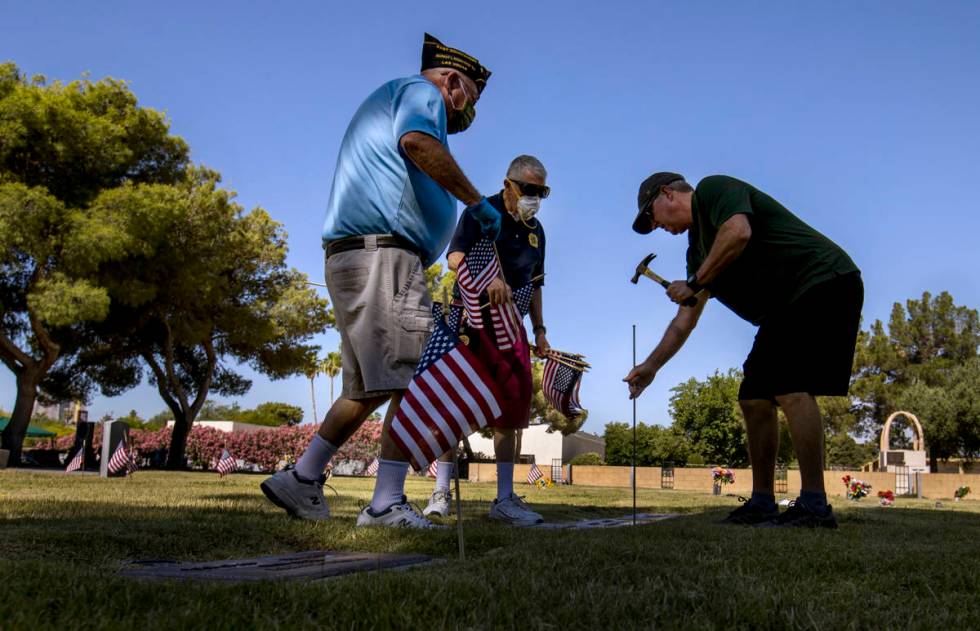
{"x":331,"y":366}
{"x":311,"y":372}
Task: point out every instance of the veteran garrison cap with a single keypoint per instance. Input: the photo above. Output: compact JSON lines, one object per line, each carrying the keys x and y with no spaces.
{"x":435,"y":54}
{"x":648,"y":192}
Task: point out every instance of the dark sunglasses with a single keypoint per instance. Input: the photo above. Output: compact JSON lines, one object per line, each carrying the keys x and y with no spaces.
{"x":531,"y":190}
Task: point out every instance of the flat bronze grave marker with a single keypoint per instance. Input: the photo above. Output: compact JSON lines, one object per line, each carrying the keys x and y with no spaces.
{"x":312,"y":565}
{"x":610,"y":522}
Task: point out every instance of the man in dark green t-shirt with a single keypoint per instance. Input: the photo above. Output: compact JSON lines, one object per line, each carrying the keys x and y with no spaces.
{"x":803,"y":292}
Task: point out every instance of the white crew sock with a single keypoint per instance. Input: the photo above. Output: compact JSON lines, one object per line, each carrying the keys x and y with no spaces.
{"x":505,"y":479}
{"x":390,"y":485}
{"x":444,"y":473}
{"x":311,"y":464}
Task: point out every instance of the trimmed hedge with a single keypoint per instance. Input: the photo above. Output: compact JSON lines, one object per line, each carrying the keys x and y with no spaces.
{"x":265,"y":448}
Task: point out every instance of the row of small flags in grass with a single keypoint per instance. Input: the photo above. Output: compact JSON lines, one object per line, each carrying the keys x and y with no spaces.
{"x":124,"y":461}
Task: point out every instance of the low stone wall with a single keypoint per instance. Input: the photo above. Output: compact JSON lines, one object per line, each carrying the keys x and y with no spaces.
{"x":698,"y":479}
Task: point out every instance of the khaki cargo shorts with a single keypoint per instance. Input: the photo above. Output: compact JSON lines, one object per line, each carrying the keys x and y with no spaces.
{"x":384,"y":314}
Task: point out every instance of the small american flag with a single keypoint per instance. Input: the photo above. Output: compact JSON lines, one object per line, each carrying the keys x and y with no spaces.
{"x":433,"y":468}
{"x":121,"y":460}
{"x":372,"y":468}
{"x":560,"y":385}
{"x":534,"y":474}
{"x":455,"y":316}
{"x":522,"y":298}
{"x":226,"y":464}
{"x":475,"y":273}
{"x":506,"y":325}
{"x":77,"y":462}
{"x":450,"y":396}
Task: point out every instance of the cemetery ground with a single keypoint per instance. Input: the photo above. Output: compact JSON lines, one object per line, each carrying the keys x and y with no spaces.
{"x":63,"y":538}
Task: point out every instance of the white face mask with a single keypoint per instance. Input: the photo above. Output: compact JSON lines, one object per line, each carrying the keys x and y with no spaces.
{"x":528,"y":206}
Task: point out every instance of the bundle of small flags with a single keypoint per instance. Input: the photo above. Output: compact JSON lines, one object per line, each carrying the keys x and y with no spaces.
{"x":123,"y":461}
{"x":226,"y":464}
{"x":561,"y":381}
{"x":479,"y":267}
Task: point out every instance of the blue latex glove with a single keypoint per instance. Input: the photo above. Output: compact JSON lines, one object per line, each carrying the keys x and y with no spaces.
{"x":487,"y":216}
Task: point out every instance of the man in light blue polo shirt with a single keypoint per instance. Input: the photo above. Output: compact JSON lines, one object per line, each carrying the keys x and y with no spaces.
{"x":391,"y":213}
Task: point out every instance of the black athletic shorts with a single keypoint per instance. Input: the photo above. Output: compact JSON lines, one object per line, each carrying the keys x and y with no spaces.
{"x":809,"y":346}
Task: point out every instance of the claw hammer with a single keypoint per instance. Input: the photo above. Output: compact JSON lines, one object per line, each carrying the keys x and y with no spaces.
{"x":643,"y":270}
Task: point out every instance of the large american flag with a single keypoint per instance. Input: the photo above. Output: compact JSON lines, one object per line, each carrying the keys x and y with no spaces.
{"x":475,"y":273}
{"x":450,"y":396}
{"x":560,"y":387}
{"x":226,"y":464}
{"x":122,"y":461}
{"x":77,"y":462}
{"x":534,"y":474}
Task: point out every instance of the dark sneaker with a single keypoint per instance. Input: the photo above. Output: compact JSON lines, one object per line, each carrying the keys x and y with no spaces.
{"x":749,"y":514}
{"x":799,"y":515}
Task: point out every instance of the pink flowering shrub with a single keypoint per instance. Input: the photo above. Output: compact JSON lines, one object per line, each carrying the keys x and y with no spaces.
{"x":266,"y":448}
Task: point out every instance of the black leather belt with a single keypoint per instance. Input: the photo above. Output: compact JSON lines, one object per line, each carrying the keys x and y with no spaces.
{"x":371,"y":241}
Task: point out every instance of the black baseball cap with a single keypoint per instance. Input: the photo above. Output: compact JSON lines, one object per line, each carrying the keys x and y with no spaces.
{"x":649,"y":189}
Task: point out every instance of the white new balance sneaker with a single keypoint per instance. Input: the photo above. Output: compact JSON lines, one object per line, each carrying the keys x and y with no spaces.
{"x":441,"y":503}
{"x":298,"y":497}
{"x":512,"y":510}
{"x":400,"y":515}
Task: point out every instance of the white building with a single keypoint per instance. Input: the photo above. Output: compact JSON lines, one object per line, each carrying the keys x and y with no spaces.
{"x":227,"y":426}
{"x":546,"y":448}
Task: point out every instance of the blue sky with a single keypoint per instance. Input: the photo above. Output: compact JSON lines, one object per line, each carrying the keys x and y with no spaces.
{"x":860,"y":117}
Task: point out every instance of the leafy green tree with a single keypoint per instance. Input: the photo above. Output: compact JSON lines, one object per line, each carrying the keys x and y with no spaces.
{"x":275,"y":414}
{"x":845,"y":452}
{"x":61,"y":146}
{"x":923,"y":364}
{"x":197,"y":285}
{"x":133,"y":420}
{"x":706,"y":413}
{"x":439,"y":281}
{"x":949,"y":413}
{"x":655,"y":445}
{"x":589,"y":458}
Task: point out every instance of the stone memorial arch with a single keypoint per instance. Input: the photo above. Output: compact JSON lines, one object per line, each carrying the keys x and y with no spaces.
{"x":911,"y":460}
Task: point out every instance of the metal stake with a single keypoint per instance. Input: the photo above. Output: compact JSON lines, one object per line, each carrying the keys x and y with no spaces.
{"x":634,"y":434}
{"x":459,"y":507}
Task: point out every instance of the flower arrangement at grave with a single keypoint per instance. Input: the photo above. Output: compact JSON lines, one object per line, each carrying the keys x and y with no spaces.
{"x":961,"y":492}
{"x":886,"y":498}
{"x":544,"y":483}
{"x":856,"y":489}
{"x":722,"y":476}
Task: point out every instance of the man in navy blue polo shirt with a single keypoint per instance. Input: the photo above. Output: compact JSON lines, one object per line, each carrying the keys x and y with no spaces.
{"x":391,"y":213}
{"x":520,"y":247}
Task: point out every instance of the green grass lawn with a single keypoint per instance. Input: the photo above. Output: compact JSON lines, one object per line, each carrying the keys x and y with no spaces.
{"x":63,"y":538}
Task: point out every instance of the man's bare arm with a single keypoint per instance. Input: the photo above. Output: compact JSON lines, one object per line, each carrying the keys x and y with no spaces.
{"x":432,"y":157}
{"x":732,"y":238}
{"x":673,"y":339}
{"x":677,"y":333}
{"x":537,"y":308}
